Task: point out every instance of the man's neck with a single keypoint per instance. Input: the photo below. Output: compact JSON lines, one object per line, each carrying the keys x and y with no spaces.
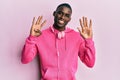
{"x":59,"y":28}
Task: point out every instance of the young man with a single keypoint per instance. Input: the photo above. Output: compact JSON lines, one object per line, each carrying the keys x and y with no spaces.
{"x":58,"y":46}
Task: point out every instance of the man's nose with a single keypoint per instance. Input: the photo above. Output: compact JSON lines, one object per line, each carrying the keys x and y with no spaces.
{"x":63,"y":16}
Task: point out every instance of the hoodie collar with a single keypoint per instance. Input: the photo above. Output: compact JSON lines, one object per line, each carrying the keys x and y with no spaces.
{"x":56,"y":31}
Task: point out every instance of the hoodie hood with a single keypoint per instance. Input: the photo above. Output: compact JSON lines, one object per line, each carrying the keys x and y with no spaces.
{"x":60,"y":35}
{"x":67,"y":29}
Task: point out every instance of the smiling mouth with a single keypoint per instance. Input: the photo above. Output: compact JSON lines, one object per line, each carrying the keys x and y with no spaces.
{"x":60,"y":21}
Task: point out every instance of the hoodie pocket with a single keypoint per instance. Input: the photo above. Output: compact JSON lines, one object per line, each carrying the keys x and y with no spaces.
{"x":53,"y":74}
{"x":50,"y":74}
{"x":66,"y":75}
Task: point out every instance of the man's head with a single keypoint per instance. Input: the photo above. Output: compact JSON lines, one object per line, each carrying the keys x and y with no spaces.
{"x":62,"y":16}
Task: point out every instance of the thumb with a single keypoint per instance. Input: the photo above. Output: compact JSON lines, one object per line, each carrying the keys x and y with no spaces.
{"x":79,"y":29}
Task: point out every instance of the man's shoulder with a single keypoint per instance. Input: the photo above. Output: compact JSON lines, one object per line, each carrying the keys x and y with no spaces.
{"x":46,"y":30}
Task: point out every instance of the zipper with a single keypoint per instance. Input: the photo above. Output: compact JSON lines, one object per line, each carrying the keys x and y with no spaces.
{"x":58,"y":65}
{"x":57,"y":59}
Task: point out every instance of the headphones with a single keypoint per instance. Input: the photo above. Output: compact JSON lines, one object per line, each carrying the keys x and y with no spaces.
{"x":60,"y":35}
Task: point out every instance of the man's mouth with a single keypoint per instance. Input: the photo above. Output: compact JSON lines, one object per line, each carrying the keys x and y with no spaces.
{"x":61,"y":21}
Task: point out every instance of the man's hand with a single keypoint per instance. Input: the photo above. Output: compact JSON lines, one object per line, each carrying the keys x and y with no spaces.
{"x":85,"y":31}
{"x":36,"y":26}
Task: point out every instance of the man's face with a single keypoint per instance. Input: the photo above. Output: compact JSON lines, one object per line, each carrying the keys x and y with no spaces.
{"x":62,"y":16}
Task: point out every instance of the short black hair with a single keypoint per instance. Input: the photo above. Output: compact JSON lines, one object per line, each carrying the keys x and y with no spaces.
{"x":66,"y":5}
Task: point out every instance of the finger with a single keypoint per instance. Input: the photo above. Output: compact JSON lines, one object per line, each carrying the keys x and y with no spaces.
{"x":81,"y":23}
{"x":79,"y":30}
{"x":86,"y":22}
{"x":43,"y":23}
{"x":40,"y":19}
{"x":37,"y":30}
{"x":33,"y":22}
{"x":37,"y":20}
{"x":90,"y":24}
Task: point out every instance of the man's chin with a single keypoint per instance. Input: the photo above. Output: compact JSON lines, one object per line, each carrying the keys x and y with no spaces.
{"x":61,"y":25}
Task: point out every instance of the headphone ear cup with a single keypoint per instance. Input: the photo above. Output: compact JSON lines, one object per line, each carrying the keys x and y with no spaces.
{"x":61,"y":35}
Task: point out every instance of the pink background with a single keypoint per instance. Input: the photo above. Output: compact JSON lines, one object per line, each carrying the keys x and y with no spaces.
{"x":15,"y":22}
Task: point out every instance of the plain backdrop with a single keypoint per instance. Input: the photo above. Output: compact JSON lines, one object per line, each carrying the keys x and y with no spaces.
{"x":15,"y":22}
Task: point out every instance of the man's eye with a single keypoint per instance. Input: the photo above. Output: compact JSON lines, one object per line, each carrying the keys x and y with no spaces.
{"x":59,"y":12}
{"x":67,"y":15}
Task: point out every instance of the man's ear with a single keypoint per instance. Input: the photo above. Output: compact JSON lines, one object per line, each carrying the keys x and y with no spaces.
{"x":70,"y":19}
{"x":54,"y":13}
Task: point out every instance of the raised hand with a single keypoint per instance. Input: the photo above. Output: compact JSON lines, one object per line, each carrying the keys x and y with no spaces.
{"x":36,"y":26}
{"x":85,"y":30}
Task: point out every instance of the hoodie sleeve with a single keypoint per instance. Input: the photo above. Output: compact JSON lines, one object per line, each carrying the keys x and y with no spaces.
{"x":87,"y":52}
{"x":29,"y":50}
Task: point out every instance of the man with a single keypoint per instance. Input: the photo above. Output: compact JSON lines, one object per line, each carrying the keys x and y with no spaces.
{"x":58,"y":46}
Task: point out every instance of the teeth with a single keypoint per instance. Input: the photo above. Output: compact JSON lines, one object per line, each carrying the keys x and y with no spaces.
{"x":60,"y":21}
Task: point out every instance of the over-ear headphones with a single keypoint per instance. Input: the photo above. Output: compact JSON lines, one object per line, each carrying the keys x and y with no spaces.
{"x":60,"y":35}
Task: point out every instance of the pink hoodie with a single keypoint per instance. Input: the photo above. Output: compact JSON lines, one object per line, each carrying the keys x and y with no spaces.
{"x":59,"y":57}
